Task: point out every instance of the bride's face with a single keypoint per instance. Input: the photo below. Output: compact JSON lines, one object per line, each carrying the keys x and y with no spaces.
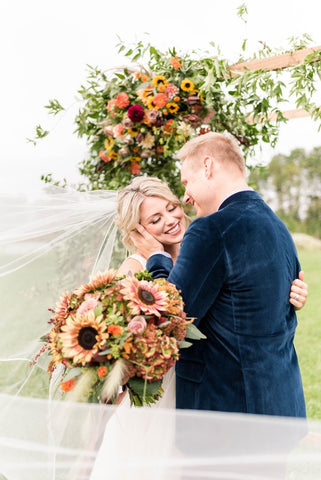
{"x":163,"y":219}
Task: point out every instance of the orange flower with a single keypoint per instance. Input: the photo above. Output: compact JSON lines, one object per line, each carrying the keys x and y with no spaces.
{"x":68,"y":385}
{"x":137,"y":75}
{"x":144,"y":78}
{"x":135,"y":168}
{"x":161,"y":88}
{"x":176,"y":99}
{"x":104,"y":157}
{"x":102,"y":371}
{"x":160,"y":100}
{"x":168,"y":127}
{"x":115,"y":330}
{"x":122,"y":100}
{"x":176,"y":63}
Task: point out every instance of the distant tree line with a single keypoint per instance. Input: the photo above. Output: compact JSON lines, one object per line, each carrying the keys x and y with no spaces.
{"x":291,"y":185}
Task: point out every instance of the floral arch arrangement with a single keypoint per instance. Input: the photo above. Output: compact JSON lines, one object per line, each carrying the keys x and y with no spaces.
{"x":136,"y":117}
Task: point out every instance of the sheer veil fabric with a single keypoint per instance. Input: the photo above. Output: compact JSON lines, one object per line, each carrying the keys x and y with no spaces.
{"x":52,"y":242}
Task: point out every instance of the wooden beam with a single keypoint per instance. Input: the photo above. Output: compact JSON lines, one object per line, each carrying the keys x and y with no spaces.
{"x":289,"y":114}
{"x":274,"y":63}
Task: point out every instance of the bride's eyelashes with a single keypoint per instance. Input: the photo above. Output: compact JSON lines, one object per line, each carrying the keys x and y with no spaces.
{"x":170,"y":209}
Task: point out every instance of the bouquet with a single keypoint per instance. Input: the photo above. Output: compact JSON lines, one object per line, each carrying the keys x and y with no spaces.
{"x":118,"y":331}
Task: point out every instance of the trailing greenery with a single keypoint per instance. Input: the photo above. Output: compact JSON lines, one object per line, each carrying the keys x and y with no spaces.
{"x":136,"y":117}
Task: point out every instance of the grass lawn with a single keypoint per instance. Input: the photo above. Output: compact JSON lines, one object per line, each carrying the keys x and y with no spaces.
{"x":308,"y":334}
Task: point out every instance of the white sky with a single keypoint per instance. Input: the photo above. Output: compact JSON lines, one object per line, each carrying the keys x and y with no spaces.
{"x":45,"y":46}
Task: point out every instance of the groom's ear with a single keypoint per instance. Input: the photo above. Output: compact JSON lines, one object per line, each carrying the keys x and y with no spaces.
{"x":208,"y":166}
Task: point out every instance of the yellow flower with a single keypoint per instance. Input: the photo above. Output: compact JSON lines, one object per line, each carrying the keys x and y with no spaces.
{"x":109,"y":142}
{"x":133,"y":131}
{"x":172,"y":107}
{"x":113,"y":155}
{"x":82,"y":337}
{"x":187,"y":85}
{"x":158,"y":80}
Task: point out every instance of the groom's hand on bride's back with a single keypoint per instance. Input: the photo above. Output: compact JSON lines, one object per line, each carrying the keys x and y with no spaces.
{"x":144,"y":242}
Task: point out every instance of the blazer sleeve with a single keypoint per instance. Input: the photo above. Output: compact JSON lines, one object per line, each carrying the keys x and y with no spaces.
{"x":200,"y":269}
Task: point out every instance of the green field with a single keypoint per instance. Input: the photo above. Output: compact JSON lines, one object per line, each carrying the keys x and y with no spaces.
{"x":308,"y":335}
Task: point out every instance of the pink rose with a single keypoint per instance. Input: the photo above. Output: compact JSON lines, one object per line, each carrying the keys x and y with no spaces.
{"x":87,"y":305}
{"x":118,"y":130}
{"x":137,"y":324}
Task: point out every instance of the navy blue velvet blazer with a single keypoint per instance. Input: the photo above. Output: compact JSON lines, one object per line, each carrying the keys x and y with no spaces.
{"x":235,"y":270}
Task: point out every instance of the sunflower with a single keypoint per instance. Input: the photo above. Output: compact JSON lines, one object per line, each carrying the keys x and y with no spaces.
{"x":187,"y":85}
{"x":144,"y":297}
{"x":82,"y":337}
{"x":102,"y":278}
{"x":113,"y":155}
{"x":172,"y":107}
{"x":133,"y":131}
{"x":62,"y":308}
{"x":54,"y":348}
{"x":108,"y":143}
{"x":158,"y":79}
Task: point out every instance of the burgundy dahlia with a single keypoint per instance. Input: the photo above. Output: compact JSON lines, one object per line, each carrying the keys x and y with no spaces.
{"x":136,"y":113}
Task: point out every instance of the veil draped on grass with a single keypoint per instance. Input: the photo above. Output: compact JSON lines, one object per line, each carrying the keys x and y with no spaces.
{"x":52,"y":242}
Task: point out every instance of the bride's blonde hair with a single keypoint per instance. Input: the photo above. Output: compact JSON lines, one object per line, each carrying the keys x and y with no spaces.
{"x":129,"y":201}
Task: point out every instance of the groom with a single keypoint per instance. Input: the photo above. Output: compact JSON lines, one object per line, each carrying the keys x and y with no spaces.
{"x":235,"y":268}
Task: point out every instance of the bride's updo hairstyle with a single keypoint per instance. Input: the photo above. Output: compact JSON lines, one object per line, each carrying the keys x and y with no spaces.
{"x":129,"y":201}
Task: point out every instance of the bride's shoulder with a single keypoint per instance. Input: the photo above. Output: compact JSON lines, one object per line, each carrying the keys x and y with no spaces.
{"x":133,"y":264}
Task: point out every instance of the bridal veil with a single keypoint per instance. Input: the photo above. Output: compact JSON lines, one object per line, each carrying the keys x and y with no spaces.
{"x":52,"y":242}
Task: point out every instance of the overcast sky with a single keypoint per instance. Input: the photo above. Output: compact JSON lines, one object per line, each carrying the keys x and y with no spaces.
{"x":45,"y":46}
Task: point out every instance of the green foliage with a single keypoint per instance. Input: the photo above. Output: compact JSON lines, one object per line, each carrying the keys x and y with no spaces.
{"x":54,"y":107}
{"x":295,"y":182}
{"x":180,"y":95}
{"x":40,"y":133}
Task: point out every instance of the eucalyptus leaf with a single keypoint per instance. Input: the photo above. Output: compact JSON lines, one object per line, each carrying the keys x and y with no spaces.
{"x":194,"y":333}
{"x":185,"y":344}
{"x":72,"y":373}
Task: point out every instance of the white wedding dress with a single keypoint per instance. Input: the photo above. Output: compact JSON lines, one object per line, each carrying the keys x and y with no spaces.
{"x":120,"y":427}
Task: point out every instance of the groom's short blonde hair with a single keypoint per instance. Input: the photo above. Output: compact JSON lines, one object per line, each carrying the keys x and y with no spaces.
{"x":221,"y":146}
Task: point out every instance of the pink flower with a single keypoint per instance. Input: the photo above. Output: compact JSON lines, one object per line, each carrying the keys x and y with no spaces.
{"x":118,"y":130}
{"x":104,"y":157}
{"x":160,"y":100}
{"x":122,"y":100}
{"x":136,"y":113}
{"x":137,"y":324}
{"x":111,"y":104}
{"x":171,"y":90}
{"x":87,"y":305}
{"x":144,"y":296}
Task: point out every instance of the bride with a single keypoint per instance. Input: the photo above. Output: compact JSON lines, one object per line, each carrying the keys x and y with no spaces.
{"x":52,"y":244}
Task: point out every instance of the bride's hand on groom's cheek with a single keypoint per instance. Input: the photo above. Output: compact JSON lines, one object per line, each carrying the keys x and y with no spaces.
{"x":144,"y":242}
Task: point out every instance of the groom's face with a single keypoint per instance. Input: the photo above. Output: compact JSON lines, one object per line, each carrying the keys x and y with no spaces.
{"x":196,"y":187}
